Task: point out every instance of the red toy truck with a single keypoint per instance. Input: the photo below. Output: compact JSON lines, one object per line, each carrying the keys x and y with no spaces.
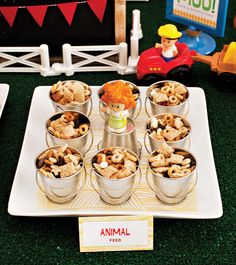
{"x":151,"y":65}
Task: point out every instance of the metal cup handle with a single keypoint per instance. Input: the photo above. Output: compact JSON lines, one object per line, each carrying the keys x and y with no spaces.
{"x":145,"y":143}
{"x":145,"y":105}
{"x":135,"y":188}
{"x":147,"y":178}
{"x":46,"y":139}
{"x":91,"y":106}
{"x":187,"y":111}
{"x":81,"y":186}
{"x":92,"y":136}
{"x":150,"y":186}
{"x":91,"y":182}
{"x":59,"y":109}
{"x":139,"y":109}
{"x":37,"y":181}
{"x":101,"y":113}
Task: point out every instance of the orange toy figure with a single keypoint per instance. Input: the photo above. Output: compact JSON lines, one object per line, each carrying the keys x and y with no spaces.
{"x":169,"y":36}
{"x":119,"y":99}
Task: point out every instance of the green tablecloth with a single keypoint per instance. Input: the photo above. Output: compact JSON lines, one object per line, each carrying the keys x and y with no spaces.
{"x":55,"y":240}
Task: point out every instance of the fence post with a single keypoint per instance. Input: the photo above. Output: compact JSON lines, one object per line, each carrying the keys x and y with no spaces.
{"x":45,"y":60}
{"x":123,"y":53}
{"x":67,"y":59}
{"x":136,"y":34}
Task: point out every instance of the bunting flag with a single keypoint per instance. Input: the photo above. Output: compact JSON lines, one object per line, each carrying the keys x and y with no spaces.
{"x":9,"y":14}
{"x":98,"y":7}
{"x":67,"y":9}
{"x":38,"y":13}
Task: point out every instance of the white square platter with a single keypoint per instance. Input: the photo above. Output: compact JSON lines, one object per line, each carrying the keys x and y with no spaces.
{"x":24,"y":193}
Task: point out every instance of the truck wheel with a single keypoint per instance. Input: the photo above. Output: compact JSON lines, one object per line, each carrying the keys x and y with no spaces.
{"x":226,"y":80}
{"x":181,"y":74}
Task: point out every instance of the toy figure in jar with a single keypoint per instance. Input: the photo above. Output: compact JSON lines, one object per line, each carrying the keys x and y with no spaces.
{"x":169,"y":36}
{"x":119,"y":99}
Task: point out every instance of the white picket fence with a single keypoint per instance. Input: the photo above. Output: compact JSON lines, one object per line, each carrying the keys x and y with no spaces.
{"x":107,"y":58}
{"x":21,"y":60}
{"x":75,"y":58}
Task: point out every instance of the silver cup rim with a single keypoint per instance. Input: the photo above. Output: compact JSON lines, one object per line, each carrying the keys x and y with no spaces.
{"x":172,"y":179}
{"x":56,"y":147}
{"x":112,"y":81}
{"x":170,"y":142}
{"x":79,"y":103}
{"x":115,"y":180}
{"x":163,"y":81}
{"x":61,"y":113}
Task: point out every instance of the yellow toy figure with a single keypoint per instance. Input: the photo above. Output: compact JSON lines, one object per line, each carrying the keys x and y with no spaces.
{"x":119,"y":99}
{"x":169,"y":36}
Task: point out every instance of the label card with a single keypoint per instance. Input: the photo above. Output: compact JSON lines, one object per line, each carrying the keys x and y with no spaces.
{"x":116,"y":233}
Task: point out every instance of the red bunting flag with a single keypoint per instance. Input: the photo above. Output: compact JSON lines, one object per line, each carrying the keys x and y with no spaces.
{"x":38,"y":13}
{"x":98,"y":7}
{"x":68,"y":10}
{"x":9,"y":13}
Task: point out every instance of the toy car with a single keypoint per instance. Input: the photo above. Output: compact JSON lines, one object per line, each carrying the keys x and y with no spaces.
{"x":223,"y":63}
{"x":151,"y":65}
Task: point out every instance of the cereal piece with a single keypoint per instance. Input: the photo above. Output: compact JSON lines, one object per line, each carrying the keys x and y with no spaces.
{"x":171,"y":134}
{"x":178,"y":123}
{"x":72,"y":158}
{"x":157,"y":158}
{"x":160,"y":169}
{"x":117,"y":158}
{"x":67,"y":170}
{"x":130,"y":156}
{"x":109,"y":171}
{"x":79,"y":96}
{"x":186,"y":161}
{"x":68,"y":95}
{"x":176,"y":159}
{"x":181,"y":173}
{"x":68,"y":131}
{"x":160,"y":97}
{"x":180,"y":89}
{"x":130,"y":165}
{"x":165,"y":149}
{"x":173,"y":170}
{"x":158,"y":163}
{"x":173,"y":100}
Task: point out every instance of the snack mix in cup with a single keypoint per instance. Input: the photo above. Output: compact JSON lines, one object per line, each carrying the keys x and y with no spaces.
{"x":168,"y":127}
{"x":168,"y":93}
{"x":115,"y":163}
{"x":70,"y":93}
{"x":68,"y":125}
{"x":59,"y":162}
{"x":171,"y":162}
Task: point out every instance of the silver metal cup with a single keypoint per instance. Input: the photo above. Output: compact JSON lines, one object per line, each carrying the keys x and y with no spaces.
{"x":127,"y":139}
{"x":133,"y":113}
{"x":181,"y":109}
{"x":115,"y":191}
{"x":82,"y":107}
{"x":155,"y":143}
{"x":170,"y":190}
{"x":78,"y":143}
{"x":60,"y":190}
